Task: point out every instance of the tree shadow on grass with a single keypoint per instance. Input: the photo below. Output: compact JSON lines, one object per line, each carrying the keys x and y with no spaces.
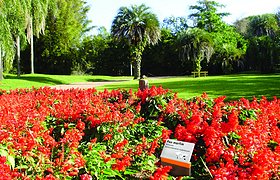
{"x":98,"y":80}
{"x":53,"y":81}
{"x":105,"y":80}
{"x":233,"y":87}
{"x":39,"y":79}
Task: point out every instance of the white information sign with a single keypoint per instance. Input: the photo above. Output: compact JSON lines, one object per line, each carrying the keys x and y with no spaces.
{"x":177,"y":150}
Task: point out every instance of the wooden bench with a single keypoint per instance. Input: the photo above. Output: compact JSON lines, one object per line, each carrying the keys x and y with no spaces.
{"x":198,"y":74}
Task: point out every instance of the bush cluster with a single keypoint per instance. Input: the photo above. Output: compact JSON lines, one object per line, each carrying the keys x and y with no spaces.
{"x":84,"y":134}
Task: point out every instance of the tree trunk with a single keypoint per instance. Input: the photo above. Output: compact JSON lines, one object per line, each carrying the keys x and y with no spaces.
{"x":197,"y":63}
{"x":137,"y":69}
{"x":271,"y":59}
{"x":18,"y":56}
{"x":131,"y":73}
{"x":31,"y":47}
{"x":1,"y":64}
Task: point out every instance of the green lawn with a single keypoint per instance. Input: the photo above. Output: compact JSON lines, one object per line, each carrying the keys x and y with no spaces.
{"x":232,"y":86}
{"x":39,"y":80}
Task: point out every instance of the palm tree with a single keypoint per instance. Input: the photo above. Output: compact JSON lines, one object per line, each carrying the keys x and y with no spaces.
{"x":139,"y":27}
{"x":195,"y":45}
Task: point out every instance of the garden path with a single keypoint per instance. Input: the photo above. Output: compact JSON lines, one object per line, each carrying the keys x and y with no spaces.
{"x":83,"y":85}
{"x":86,"y":85}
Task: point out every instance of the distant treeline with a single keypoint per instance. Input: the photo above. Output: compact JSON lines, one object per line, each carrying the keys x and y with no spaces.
{"x":199,"y":41}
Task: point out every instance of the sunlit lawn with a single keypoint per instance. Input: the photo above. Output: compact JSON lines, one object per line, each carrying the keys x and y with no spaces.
{"x":39,"y":80}
{"x":232,"y":86}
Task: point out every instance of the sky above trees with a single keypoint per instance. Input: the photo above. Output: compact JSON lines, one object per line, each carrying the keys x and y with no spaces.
{"x":103,"y":11}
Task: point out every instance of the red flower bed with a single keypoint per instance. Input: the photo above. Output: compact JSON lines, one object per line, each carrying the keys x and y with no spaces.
{"x":83,"y":134}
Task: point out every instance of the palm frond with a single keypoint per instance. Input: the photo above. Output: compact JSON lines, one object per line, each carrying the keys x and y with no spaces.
{"x":137,"y":24}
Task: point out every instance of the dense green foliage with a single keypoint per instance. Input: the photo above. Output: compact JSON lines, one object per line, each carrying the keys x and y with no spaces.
{"x":229,"y":46}
{"x":263,"y":33}
{"x":206,"y":16}
{"x":139,"y":27}
{"x":162,"y":59}
{"x":62,"y":46}
{"x":62,"y":24}
{"x":59,"y":46}
{"x":12,"y":24}
{"x":197,"y":45}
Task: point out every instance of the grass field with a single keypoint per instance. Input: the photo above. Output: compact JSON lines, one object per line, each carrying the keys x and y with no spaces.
{"x":39,"y":80}
{"x":232,"y":86}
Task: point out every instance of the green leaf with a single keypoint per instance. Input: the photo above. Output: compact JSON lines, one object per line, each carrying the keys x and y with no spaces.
{"x":130,"y":172}
{"x":22,"y":166}
{"x":272,"y":144}
{"x":10,"y":158}
{"x":111,"y":172}
{"x":3,"y":152}
{"x":11,"y":161}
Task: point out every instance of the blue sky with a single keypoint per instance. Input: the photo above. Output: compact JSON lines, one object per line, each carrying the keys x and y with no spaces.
{"x":103,"y":12}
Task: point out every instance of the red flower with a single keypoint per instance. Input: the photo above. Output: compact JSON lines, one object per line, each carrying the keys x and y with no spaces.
{"x":161,"y":173}
{"x":107,"y":137}
{"x":121,"y":164}
{"x":232,"y":123}
{"x":50,"y":177}
{"x":80,"y":125}
{"x":153,"y":147}
{"x":165,"y":134}
{"x":85,"y":177}
{"x":93,"y":140}
{"x":119,"y":146}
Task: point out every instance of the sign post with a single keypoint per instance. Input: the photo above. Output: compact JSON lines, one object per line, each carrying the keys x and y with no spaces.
{"x":178,"y":155}
{"x":143,"y":84}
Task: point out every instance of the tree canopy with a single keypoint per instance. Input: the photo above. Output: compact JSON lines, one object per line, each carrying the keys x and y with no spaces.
{"x":196,"y":45}
{"x":229,"y":45}
{"x":139,"y":27}
{"x":65,"y":28}
{"x":199,"y":40}
{"x":262,"y":32}
{"x":206,"y":16}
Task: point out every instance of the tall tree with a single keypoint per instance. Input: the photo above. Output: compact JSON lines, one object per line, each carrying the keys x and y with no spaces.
{"x":162,"y":59}
{"x":17,"y":23}
{"x":36,"y":19}
{"x":140,"y":28}
{"x":14,"y":24}
{"x":6,"y":39}
{"x":63,"y":33}
{"x":229,"y":46}
{"x":262,"y":32}
{"x":91,"y":53}
{"x":206,"y":16}
{"x":196,"y":45}
{"x":16,"y":18}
